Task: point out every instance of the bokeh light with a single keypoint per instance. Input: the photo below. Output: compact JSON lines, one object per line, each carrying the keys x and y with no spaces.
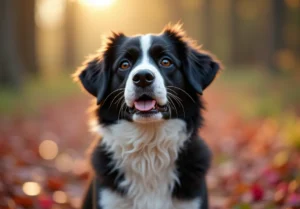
{"x":48,"y":149}
{"x":60,"y":197}
{"x":31,"y":188}
{"x":75,"y":202}
{"x":64,"y":162}
{"x":50,"y":13}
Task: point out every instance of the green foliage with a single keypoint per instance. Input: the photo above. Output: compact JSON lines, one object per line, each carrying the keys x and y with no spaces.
{"x":257,"y":93}
{"x":242,"y":206}
{"x":291,"y":130}
{"x":35,"y":92}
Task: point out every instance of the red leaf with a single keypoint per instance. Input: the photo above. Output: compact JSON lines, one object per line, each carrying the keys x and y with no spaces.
{"x":45,"y":202}
{"x":257,"y":192}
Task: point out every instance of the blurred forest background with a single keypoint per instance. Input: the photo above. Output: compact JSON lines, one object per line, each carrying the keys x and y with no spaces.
{"x":253,"y":123}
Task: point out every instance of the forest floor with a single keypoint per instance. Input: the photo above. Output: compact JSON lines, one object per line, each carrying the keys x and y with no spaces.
{"x":44,"y":162}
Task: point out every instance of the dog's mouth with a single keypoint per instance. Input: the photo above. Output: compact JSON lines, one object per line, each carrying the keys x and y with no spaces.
{"x":147,"y":105}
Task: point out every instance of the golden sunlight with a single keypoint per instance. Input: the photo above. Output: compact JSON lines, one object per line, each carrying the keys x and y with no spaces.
{"x":97,"y":3}
{"x":50,"y":13}
{"x":31,"y":188}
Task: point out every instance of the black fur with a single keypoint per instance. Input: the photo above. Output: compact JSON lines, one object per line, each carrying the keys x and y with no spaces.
{"x":192,"y":72}
{"x":192,"y":165}
{"x":106,"y":176}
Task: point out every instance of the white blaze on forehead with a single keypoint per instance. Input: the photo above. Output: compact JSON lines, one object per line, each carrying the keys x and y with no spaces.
{"x":145,"y":42}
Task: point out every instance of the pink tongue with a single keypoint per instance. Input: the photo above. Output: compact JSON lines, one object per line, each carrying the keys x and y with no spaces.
{"x":144,"y":105}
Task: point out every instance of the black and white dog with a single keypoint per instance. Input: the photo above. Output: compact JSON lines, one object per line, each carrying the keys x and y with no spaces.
{"x":148,"y":112}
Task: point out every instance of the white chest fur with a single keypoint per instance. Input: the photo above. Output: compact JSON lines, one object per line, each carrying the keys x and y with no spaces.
{"x":146,"y":154}
{"x":111,"y":200}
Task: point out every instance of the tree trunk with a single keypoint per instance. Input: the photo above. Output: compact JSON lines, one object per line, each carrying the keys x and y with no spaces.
{"x":234,"y":57}
{"x":26,"y":33}
{"x":207,"y":24}
{"x":11,"y":66}
{"x":70,"y":35}
{"x":276,"y":39}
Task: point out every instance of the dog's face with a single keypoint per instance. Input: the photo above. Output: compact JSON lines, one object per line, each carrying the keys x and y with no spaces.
{"x":148,"y":78}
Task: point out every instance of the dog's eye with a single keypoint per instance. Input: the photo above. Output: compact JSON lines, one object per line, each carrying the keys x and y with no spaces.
{"x":124,"y":65}
{"x":165,"y":62}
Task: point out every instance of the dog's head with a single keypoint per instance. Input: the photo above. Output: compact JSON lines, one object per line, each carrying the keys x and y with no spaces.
{"x":149,"y":77}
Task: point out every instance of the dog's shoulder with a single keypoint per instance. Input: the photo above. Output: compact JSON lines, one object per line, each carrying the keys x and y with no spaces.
{"x":192,"y":165}
{"x":104,"y":168}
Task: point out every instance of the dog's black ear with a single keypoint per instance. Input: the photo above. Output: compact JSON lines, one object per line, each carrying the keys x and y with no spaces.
{"x":201,"y":68}
{"x":94,"y":74}
{"x":94,"y":77}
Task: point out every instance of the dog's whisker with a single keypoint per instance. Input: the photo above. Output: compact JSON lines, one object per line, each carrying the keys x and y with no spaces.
{"x":169,"y":107}
{"x":183,"y":92}
{"x":174,"y":96}
{"x":172,"y":91}
{"x":125,"y":110}
{"x":120,"y":110}
{"x":119,"y":100}
{"x":115,"y":98}
{"x":170,"y":97}
{"x":171,"y":102}
{"x":178,"y":101}
{"x":120,"y":89}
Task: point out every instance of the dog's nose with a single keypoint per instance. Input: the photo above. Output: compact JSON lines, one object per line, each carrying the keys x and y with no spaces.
{"x":143,"y":78}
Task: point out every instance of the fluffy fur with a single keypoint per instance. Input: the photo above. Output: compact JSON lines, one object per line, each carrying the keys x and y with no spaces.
{"x":146,"y":155}
{"x":149,"y":159}
{"x":111,"y":199}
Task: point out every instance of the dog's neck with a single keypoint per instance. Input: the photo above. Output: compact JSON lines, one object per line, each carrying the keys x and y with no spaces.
{"x":146,"y":154}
